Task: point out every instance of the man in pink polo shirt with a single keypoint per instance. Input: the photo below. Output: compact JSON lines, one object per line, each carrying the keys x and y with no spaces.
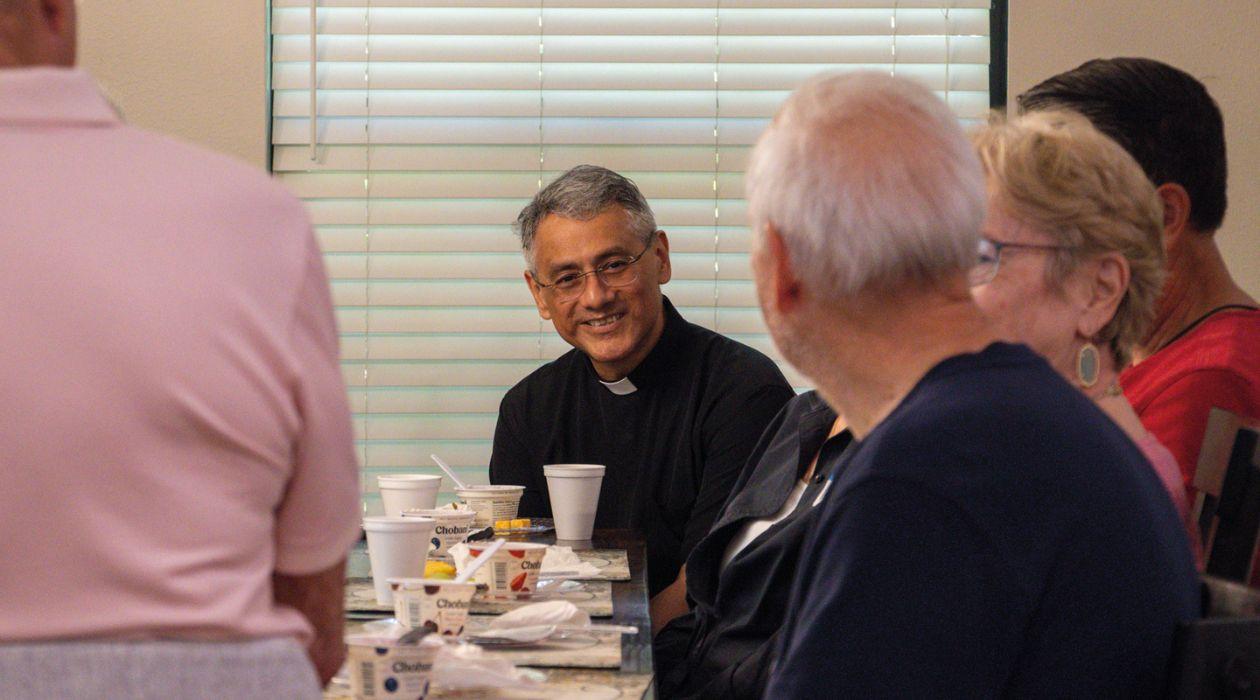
{"x":180,"y":487}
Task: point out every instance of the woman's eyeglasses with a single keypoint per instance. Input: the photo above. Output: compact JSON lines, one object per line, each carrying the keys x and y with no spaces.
{"x":989,"y":258}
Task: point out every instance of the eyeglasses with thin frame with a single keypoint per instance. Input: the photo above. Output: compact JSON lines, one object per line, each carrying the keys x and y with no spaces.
{"x":617,"y":272}
{"x":989,"y":258}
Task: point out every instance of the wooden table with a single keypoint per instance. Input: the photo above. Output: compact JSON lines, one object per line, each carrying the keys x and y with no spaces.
{"x":630,"y":607}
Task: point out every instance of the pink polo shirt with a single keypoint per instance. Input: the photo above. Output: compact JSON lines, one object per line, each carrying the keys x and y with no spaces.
{"x":173,"y":423}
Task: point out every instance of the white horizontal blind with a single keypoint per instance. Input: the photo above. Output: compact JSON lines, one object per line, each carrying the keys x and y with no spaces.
{"x":437,"y":121}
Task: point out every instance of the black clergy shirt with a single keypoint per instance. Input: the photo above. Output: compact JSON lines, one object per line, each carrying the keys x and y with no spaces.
{"x":673,"y":447}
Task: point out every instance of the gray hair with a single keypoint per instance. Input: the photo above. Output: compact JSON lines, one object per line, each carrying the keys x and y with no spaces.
{"x":581,"y":194}
{"x":872,"y":184}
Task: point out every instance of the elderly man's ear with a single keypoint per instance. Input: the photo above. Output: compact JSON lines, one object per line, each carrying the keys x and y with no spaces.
{"x":783,"y":286}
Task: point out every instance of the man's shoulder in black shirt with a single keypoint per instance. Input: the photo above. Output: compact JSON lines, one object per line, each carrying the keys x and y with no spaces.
{"x":674,"y":434}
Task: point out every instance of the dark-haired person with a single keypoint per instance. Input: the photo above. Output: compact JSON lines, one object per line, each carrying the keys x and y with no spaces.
{"x":1204,"y":349}
{"x":670,"y":408}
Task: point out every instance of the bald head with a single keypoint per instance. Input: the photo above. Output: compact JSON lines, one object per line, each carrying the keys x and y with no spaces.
{"x":37,"y":33}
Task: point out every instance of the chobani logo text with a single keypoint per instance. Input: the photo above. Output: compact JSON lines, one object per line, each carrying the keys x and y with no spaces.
{"x":443,"y":604}
{"x":408,"y":667}
{"x":528,"y":565}
{"x":450,"y":530}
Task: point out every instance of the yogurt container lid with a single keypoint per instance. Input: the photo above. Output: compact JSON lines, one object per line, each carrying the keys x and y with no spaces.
{"x":415,"y":584}
{"x":440,"y":514}
{"x":509,"y":545}
{"x":490,"y":489}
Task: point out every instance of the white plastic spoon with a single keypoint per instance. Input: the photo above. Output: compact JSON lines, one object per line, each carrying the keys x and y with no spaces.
{"x":479,"y":561}
{"x":449,"y":472}
{"x":537,"y":633}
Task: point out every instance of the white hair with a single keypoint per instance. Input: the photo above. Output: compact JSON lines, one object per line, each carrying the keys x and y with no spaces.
{"x":871,"y":183}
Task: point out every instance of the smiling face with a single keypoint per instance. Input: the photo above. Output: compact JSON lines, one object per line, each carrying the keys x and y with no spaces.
{"x":615,"y":326}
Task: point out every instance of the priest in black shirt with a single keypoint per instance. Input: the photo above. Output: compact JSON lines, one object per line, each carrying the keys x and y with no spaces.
{"x":671,"y":409}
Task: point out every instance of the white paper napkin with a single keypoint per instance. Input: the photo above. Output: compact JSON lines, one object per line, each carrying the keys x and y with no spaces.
{"x":552,"y":612}
{"x":560,"y":558}
{"x":463,"y":666}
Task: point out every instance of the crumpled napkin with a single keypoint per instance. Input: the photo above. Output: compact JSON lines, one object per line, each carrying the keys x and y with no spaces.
{"x":552,"y":612}
{"x":557,"y":558}
{"x":560,"y":558}
{"x":462,"y":666}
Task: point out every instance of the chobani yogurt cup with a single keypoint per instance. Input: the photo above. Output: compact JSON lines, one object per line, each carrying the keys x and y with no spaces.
{"x":380,"y":668}
{"x":451,"y":526}
{"x":513,"y":570}
{"x":440,"y":605}
{"x":491,"y":503}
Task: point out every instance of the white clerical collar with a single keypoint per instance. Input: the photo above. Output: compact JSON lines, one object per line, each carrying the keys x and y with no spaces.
{"x":621,"y":387}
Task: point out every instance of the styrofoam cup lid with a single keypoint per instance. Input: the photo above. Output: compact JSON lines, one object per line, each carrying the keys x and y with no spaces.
{"x":408,"y":481}
{"x":580,"y":470}
{"x":390,"y":524}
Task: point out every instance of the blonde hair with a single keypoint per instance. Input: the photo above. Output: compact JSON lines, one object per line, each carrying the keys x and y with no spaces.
{"x":1055,"y":172}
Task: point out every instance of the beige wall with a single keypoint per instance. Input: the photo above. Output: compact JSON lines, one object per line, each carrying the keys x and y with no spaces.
{"x":1214,"y":40}
{"x":197,"y":69}
{"x":192,"y":68}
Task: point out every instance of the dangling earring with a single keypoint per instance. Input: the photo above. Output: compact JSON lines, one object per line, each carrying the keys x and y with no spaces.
{"x":1087,"y":364}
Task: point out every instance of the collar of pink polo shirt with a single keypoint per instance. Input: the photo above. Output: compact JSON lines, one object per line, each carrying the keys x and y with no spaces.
{"x":46,"y":95}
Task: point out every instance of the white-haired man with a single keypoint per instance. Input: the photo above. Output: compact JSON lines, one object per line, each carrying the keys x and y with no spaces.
{"x":180,"y":484}
{"x":989,"y":532}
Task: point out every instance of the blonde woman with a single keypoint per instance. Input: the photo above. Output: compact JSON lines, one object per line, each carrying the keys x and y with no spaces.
{"x":1071,"y":260}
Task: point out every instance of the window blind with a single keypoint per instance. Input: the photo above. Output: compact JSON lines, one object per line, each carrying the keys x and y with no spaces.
{"x":435,"y":122}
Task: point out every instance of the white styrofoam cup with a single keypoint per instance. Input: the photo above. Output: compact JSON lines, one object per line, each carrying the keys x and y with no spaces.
{"x":574,"y":490}
{"x":397,"y":548}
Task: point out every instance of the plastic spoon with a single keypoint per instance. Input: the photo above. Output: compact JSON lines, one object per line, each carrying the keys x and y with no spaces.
{"x":414,"y":636}
{"x":537,"y":633}
{"x":449,"y":472}
{"x":479,"y":561}
{"x":552,"y":575}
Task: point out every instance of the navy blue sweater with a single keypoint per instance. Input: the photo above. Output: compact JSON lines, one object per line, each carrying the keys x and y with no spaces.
{"x":995,"y":535}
